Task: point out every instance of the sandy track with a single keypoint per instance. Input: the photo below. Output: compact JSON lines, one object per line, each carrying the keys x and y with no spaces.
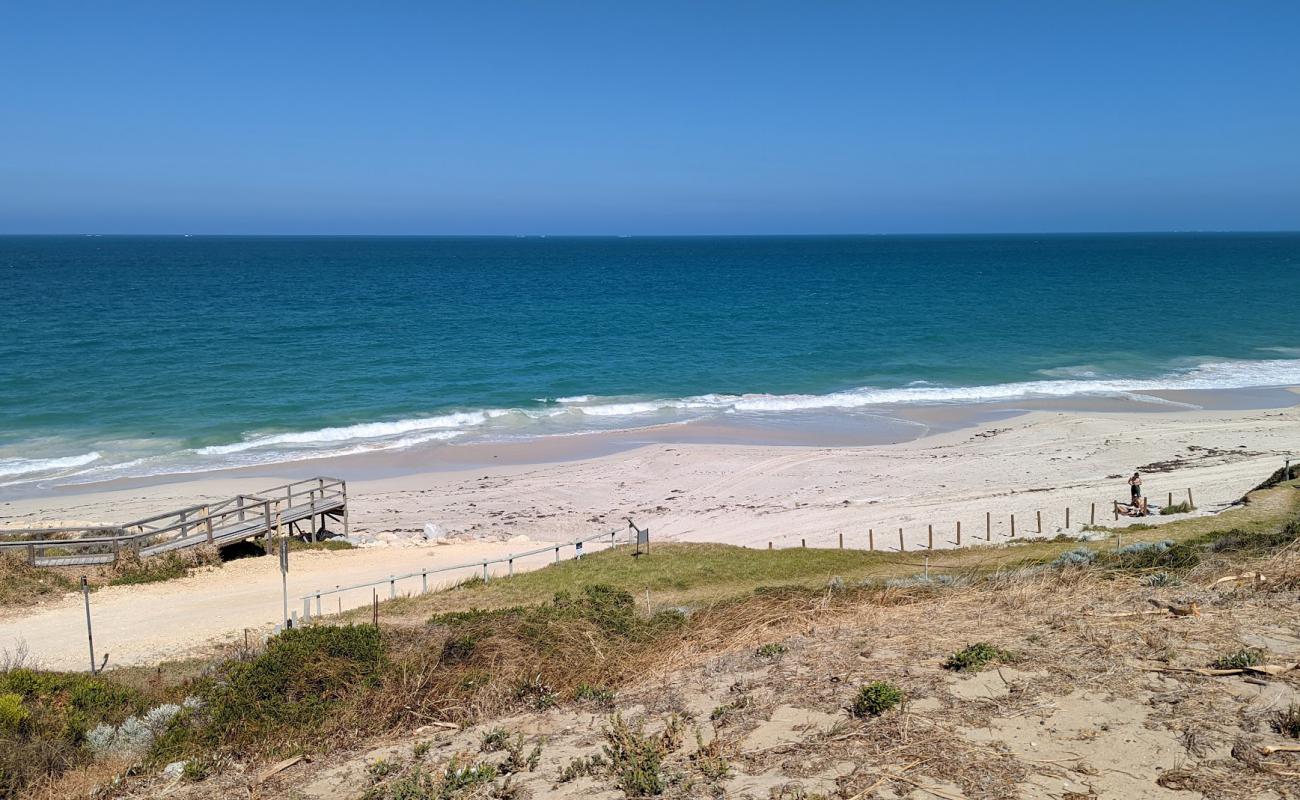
{"x":148,"y":623}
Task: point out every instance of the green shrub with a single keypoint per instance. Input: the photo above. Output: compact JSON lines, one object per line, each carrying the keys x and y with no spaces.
{"x":291,"y":687}
{"x":582,"y":767}
{"x":636,"y":760}
{"x":494,"y":740}
{"x":975,"y":657}
{"x":458,"y":777}
{"x":1166,"y":555}
{"x":875,"y":699}
{"x":770,"y":651}
{"x":13,"y":716}
{"x":44,"y":718}
{"x":152,"y":570}
{"x":1245,"y":657}
{"x":1178,"y":508}
{"x":600,"y":695}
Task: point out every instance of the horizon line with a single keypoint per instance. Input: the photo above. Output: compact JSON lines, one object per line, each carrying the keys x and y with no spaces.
{"x":1174,"y":232}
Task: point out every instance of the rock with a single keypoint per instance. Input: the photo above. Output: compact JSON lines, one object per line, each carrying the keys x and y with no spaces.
{"x":174,"y":769}
{"x":433,"y":532}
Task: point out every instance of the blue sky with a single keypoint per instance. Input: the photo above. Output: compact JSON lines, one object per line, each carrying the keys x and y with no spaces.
{"x":644,"y":118}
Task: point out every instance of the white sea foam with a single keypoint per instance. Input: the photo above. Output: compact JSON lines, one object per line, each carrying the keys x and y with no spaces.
{"x":583,"y":414}
{"x":364,"y":430}
{"x":31,"y":466}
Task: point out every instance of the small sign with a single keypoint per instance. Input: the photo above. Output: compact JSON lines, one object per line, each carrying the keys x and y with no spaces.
{"x":284,"y":555}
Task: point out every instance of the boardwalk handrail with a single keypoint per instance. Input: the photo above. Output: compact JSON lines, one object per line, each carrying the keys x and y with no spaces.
{"x":225,"y":521}
{"x":509,"y":559}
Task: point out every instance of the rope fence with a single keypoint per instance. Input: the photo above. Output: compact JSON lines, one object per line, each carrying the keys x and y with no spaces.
{"x":992,"y":530}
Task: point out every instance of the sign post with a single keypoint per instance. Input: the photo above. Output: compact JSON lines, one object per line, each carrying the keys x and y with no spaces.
{"x":90,"y":636}
{"x":642,"y":538}
{"x":284,"y":578}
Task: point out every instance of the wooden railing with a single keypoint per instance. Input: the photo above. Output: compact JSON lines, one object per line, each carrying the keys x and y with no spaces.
{"x":243,"y":516}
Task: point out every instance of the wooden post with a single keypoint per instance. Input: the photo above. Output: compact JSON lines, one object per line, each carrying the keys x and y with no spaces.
{"x":803,"y":542}
{"x":930,"y":535}
{"x":1092,"y":516}
{"x":988,"y":526}
{"x":1013,"y":526}
{"x":1040,"y":520}
{"x":871,"y":539}
{"x":769,"y":545}
{"x":1171,"y":499}
{"x":902,"y":548}
{"x":959,"y":533}
{"x":1067,"y":517}
{"x":207,"y":523}
{"x":841,"y":540}
{"x":346,"y":532}
{"x":1190,"y":504}
{"x":1116,"y":509}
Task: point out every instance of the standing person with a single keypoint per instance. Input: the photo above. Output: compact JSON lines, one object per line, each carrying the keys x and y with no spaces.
{"x":1135,"y":488}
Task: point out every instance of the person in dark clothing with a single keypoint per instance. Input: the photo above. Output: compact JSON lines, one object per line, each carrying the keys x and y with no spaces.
{"x":1135,"y":487}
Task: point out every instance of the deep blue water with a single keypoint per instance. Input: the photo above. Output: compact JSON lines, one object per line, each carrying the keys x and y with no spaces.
{"x":135,"y":355}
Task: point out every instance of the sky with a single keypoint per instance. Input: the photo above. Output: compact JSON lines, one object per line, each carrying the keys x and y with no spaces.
{"x":554,"y":117}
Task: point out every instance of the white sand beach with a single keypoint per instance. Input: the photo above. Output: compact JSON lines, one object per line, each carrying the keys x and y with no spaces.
{"x":1042,"y":462}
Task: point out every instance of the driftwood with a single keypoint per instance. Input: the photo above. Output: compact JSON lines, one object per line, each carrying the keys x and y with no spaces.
{"x":276,"y":768}
{"x":1192,"y":609}
{"x":1280,"y":748}
{"x":1245,"y":576}
{"x":1261,"y":669}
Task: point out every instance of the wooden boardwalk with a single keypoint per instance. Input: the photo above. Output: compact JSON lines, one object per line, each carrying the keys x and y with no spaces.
{"x":296,"y":509}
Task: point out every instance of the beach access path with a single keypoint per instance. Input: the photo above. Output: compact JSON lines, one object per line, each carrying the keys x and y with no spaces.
{"x":147,"y":623}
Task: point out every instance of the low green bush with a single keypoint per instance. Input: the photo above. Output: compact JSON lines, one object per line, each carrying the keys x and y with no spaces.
{"x":875,"y":698}
{"x":1245,"y":657}
{"x":282,"y":694}
{"x":975,"y":657}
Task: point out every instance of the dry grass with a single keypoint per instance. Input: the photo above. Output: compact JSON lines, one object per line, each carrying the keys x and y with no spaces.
{"x":22,"y":584}
{"x":445,"y":661}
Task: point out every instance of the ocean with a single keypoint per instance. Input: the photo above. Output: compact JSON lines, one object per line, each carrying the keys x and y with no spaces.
{"x":130,"y":356}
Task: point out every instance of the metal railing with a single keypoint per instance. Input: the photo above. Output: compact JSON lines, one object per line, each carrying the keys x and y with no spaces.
{"x":509,"y":560}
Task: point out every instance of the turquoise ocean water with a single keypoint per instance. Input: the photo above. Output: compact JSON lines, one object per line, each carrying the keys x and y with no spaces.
{"x":125,"y":356}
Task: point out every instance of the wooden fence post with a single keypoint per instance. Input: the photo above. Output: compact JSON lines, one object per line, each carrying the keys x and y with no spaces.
{"x":769,"y":545}
{"x":841,"y":540}
{"x":988,"y":526}
{"x":902,"y":548}
{"x":1171,"y":499}
{"x":871,"y":539}
{"x":1039,"y":514}
{"x":1067,"y":517}
{"x":959,"y":533}
{"x":1189,"y":498}
{"x":1092,"y":517}
{"x":803,"y":542}
{"x":930,"y":537}
{"x":1013,"y":526}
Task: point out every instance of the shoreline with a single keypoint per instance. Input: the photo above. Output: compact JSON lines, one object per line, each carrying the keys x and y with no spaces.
{"x":1037,"y":461}
{"x":864,"y":427}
